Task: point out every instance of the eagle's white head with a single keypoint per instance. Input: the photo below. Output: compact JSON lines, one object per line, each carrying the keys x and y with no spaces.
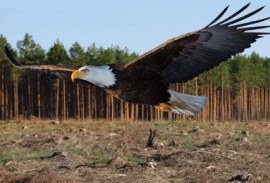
{"x":101,"y":76}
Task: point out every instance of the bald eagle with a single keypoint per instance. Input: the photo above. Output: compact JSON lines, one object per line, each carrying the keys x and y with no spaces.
{"x":146,"y":79}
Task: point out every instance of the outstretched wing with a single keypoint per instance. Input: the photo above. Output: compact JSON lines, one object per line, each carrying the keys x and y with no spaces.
{"x":46,"y":71}
{"x":183,"y":58}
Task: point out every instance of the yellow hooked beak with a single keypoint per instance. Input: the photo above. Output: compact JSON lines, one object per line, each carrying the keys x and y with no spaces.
{"x":76,"y":74}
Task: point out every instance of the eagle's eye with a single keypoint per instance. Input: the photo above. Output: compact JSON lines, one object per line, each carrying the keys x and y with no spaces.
{"x":85,"y":71}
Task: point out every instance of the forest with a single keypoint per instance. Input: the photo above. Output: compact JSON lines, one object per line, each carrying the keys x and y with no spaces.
{"x":238,"y":90}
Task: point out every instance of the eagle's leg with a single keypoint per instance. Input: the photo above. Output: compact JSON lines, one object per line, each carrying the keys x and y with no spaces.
{"x":164,"y":107}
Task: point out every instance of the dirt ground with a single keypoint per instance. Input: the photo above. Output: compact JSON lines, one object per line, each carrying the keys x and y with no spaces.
{"x":116,"y":152}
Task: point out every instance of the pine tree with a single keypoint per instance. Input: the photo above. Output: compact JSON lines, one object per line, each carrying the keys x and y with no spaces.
{"x":57,"y":54}
{"x":77,"y":55}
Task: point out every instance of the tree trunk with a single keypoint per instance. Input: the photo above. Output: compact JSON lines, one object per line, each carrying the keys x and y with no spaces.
{"x":64,"y":108}
{"x":2,"y":92}
{"x":265,"y":103}
{"x":211,"y":101}
{"x":132,"y":112}
{"x":82,"y":102}
{"x":222,"y":97}
{"x":16,"y":102}
{"x":245,"y":115}
{"x":57,"y":101}
{"x":214,"y":102}
{"x":113,"y":104}
{"x":127,"y":111}
{"x":78,"y":112}
{"x":39,"y":99}
{"x":122,"y":114}
{"x":29,"y":108}
{"x":6,"y":102}
{"x":230,"y":105}
{"x":89,"y":102}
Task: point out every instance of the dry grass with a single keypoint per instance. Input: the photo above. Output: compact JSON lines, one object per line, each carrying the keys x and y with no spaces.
{"x":117,"y":152}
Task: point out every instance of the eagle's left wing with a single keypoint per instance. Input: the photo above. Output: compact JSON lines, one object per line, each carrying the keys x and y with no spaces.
{"x":46,"y":71}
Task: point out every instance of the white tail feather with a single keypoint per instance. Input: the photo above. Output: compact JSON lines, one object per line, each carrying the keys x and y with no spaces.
{"x":186,"y":104}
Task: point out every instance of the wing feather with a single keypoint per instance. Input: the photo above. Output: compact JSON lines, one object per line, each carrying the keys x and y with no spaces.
{"x":235,"y":14}
{"x":219,"y":16}
{"x":244,"y":17}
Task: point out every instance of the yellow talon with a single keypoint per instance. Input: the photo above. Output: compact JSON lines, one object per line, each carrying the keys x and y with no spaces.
{"x":164,"y":107}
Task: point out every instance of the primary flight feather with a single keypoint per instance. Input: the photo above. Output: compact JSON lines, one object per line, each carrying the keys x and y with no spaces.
{"x":146,"y":79}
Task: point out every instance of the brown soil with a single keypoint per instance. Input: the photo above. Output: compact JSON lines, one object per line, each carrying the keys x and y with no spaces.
{"x":118,"y":152}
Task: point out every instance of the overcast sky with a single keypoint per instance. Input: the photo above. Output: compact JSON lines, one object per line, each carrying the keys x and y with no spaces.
{"x":138,"y":25}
